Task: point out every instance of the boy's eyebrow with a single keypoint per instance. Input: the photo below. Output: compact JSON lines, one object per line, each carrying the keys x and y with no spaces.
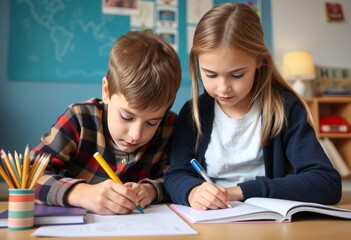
{"x":128,"y":112}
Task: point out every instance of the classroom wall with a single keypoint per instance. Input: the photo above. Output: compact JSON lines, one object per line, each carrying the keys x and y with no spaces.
{"x":29,"y":108}
{"x":302,"y":25}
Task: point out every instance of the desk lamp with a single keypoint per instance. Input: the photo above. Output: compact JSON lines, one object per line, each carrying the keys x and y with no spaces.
{"x":298,"y":67}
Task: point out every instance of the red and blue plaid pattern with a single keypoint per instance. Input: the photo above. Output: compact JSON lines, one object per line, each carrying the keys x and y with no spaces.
{"x":79,"y":133}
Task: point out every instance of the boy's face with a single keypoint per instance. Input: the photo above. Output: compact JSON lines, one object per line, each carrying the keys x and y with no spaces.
{"x":131,"y":128}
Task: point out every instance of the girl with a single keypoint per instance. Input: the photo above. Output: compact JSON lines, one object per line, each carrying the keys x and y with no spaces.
{"x":249,"y":130}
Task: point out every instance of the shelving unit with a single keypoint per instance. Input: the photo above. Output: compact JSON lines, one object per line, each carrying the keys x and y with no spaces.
{"x":340,"y":105}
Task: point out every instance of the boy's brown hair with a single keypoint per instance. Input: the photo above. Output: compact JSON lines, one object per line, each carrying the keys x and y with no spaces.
{"x":145,"y":69}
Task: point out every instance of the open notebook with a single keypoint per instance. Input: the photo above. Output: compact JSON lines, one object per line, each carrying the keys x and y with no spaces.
{"x":264,"y":209}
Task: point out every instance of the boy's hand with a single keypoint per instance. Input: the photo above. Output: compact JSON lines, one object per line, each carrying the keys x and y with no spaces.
{"x":146,"y":192}
{"x":208,"y":196}
{"x":107,"y":197}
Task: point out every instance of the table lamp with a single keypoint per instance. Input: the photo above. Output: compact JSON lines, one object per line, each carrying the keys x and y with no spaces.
{"x":298,"y":67}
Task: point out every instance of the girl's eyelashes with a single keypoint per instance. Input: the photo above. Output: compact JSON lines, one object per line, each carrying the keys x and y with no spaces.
{"x":211,"y":75}
{"x":237,"y":75}
{"x":232,"y":75}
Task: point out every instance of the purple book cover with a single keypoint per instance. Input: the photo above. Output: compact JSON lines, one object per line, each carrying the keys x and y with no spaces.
{"x":47,"y":215}
{"x":45,"y":210}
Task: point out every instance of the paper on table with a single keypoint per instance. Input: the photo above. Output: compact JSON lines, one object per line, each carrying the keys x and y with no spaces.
{"x":157,"y":220}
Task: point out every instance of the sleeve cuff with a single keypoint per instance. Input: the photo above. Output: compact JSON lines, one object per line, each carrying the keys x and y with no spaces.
{"x":58,"y":192}
{"x":158,"y":184}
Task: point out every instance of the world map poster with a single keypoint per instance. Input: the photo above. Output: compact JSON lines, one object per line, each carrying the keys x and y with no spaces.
{"x":61,"y":40}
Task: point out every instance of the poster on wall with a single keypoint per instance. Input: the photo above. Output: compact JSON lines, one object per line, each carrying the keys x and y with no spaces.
{"x":195,"y":10}
{"x":161,"y":16}
{"x":70,"y":41}
{"x":145,"y":19}
{"x":121,"y":7}
{"x":334,"y":12}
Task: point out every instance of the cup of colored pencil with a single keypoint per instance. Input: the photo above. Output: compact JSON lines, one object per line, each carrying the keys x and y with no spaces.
{"x":21,"y":173}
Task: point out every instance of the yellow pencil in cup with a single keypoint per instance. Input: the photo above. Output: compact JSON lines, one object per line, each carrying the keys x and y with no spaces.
{"x":18,"y":164}
{"x":13,"y":164}
{"x":34,"y":169}
{"x":10,"y":169}
{"x":112,"y":175}
{"x":44,"y":160}
{"x":25,"y":168}
{"x":6,"y":177}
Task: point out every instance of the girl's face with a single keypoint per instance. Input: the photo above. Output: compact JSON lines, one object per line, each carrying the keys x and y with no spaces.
{"x":130,"y":128}
{"x":228,"y":77}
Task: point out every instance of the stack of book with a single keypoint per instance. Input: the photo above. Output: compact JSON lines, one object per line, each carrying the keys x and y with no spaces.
{"x":52,"y":215}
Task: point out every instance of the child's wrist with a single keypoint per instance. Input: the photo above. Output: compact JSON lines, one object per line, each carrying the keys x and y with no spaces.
{"x":158,"y":192}
{"x":74,"y":195}
{"x":152,"y":190}
{"x":235,"y":193}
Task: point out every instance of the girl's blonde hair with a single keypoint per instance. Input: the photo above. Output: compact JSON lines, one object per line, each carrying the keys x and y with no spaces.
{"x":145,"y":69}
{"x":237,"y":26}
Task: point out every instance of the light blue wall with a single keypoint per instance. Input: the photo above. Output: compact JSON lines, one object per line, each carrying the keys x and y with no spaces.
{"x":28,"y":109}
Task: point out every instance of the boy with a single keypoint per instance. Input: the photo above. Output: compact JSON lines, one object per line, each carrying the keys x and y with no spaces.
{"x":131,"y":127}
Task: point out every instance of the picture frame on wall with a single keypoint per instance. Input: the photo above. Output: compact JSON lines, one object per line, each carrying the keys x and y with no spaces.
{"x":334,"y":12}
{"x":121,"y":7}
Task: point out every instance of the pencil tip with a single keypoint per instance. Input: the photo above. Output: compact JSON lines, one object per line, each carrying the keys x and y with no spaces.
{"x":139,"y":208}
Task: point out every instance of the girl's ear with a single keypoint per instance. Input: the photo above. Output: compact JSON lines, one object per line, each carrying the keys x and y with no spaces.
{"x":259,"y":62}
{"x":105,"y":95}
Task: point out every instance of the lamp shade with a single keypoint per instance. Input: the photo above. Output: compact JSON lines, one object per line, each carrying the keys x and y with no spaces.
{"x":298,"y":65}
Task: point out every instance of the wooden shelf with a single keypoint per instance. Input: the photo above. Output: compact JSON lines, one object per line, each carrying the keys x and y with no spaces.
{"x":339,"y":105}
{"x":335,"y":135}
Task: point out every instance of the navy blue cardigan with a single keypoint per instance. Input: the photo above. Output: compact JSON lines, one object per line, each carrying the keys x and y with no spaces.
{"x":296,"y":166}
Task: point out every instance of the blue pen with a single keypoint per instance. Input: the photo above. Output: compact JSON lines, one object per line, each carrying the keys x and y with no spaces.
{"x":202,"y":172}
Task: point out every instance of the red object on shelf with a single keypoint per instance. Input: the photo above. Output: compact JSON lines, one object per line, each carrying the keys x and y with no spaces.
{"x":333,"y":124}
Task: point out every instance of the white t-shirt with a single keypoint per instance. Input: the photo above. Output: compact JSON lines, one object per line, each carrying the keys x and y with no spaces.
{"x":234,"y":154}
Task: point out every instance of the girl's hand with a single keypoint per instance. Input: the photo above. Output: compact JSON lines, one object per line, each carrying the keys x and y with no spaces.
{"x":107,"y":197}
{"x":208,"y":196}
{"x":145,"y":192}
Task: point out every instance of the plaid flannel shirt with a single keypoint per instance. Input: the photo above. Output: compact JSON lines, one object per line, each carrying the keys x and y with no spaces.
{"x":79,"y":133}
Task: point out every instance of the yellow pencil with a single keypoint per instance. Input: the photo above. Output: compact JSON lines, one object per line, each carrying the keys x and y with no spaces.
{"x":41,"y":168}
{"x":25,"y":168}
{"x":112,"y":175}
{"x":14,"y":167}
{"x":34,"y":168}
{"x":9,"y":168}
{"x":18,"y":164}
{"x":6,"y":178}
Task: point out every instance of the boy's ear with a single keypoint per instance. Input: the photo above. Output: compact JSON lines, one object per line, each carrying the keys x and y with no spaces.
{"x":105,"y":95}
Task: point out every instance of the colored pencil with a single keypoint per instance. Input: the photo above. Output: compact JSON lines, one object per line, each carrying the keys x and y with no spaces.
{"x":22,"y":176}
{"x":18,"y":164}
{"x":6,"y":178}
{"x":38,"y":172}
{"x":9,"y":168}
{"x":14,"y":167}
{"x":34,"y":168}
{"x":25,"y":167}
